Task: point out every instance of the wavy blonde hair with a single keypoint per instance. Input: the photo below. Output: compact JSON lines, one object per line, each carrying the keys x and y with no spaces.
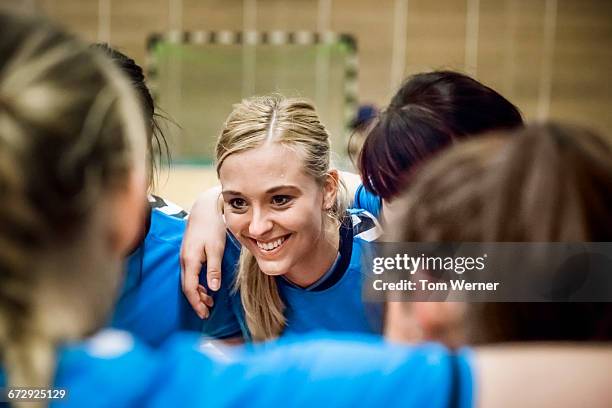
{"x":294,"y":123}
{"x":65,"y":144}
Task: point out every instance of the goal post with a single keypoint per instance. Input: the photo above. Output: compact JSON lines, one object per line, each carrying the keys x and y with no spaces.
{"x":197,"y":76}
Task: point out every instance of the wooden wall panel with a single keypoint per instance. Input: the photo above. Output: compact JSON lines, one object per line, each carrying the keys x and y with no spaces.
{"x":511,"y":52}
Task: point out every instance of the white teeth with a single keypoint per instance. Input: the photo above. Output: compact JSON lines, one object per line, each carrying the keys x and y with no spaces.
{"x":268,"y":246}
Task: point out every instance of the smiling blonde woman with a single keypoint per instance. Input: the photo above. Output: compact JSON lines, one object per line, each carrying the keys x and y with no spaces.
{"x":299,"y":266}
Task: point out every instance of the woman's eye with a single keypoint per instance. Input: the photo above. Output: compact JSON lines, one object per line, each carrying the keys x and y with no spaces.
{"x":281,"y":200}
{"x":238,"y":203}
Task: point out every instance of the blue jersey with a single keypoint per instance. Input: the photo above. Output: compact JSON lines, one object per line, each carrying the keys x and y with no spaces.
{"x":151,"y":304}
{"x":223,"y":321}
{"x":368,"y":201}
{"x":112,"y":370}
{"x":336,"y":303}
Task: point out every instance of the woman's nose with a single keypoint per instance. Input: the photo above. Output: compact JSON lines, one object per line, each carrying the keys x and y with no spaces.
{"x":260,"y":223}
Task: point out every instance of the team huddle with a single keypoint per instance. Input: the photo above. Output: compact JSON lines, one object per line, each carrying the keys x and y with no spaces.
{"x":116,"y":296}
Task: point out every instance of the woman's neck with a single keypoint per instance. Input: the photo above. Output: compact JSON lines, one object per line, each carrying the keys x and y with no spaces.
{"x":319,"y":261}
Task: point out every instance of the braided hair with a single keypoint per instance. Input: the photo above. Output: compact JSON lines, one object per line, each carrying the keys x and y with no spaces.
{"x":70,"y":134}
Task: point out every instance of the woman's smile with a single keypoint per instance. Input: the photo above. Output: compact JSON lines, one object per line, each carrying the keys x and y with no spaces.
{"x":273,"y":246}
{"x":280,"y":217}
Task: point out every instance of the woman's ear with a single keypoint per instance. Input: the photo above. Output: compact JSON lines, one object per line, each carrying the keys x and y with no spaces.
{"x":426,"y":321}
{"x":401,"y":326}
{"x":128,"y":213}
{"x":330,"y":189}
{"x":441,"y":321}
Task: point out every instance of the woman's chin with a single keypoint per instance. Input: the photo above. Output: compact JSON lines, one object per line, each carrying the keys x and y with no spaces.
{"x":272,"y":270}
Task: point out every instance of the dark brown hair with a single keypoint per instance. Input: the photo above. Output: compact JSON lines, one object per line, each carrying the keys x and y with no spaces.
{"x":157,"y":144}
{"x":428,"y":113}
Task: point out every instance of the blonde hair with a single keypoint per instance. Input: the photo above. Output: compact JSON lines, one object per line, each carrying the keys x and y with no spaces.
{"x":65,"y":143}
{"x":294,"y":123}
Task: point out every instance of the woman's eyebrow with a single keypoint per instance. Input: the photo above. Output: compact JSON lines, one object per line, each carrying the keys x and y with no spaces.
{"x":283,"y":187}
{"x":230,"y":192}
{"x":268,"y":191}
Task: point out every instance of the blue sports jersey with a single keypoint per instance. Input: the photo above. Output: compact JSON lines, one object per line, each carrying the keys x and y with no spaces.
{"x":337,"y":303}
{"x":113,"y":369}
{"x":152,"y":305}
{"x":223,"y":321}
{"x":368,"y":201}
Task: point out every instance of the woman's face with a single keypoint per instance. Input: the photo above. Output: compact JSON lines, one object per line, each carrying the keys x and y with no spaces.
{"x":275,"y":209}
